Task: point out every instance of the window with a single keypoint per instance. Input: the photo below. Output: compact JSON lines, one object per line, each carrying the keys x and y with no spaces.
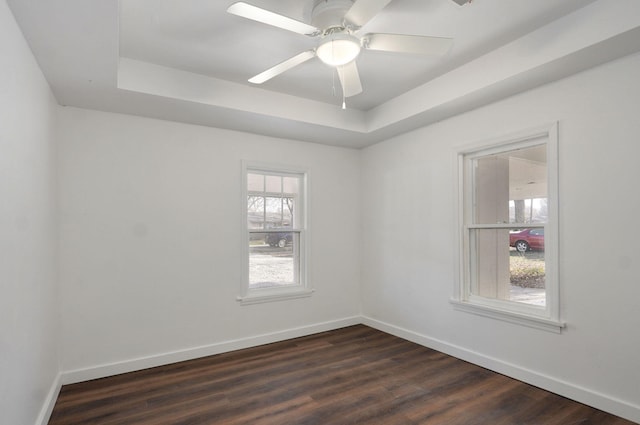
{"x":275,"y":222}
{"x":508,"y":229}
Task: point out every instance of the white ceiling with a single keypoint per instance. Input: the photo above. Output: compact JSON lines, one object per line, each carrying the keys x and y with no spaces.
{"x":189,"y":61}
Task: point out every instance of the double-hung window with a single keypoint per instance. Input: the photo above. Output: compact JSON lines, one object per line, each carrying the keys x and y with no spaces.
{"x":508,"y":223}
{"x":275,"y":222}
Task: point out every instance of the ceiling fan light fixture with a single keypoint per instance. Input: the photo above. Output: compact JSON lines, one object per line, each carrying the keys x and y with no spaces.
{"x":338,"y":49}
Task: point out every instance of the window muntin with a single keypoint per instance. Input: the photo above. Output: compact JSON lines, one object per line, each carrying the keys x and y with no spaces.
{"x":508,"y":201}
{"x":275,"y":223}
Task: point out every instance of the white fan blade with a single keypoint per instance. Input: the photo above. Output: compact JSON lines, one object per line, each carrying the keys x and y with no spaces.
{"x":350,"y":79}
{"x":414,"y":44}
{"x":363,"y":11}
{"x":282,"y":67}
{"x":255,"y":13}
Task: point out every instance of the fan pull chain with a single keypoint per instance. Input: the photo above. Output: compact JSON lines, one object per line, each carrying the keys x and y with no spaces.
{"x":333,"y":83}
{"x":344,"y":97}
{"x":334,"y":91}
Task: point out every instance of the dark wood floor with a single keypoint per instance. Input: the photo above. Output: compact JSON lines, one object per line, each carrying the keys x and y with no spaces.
{"x":355,"y":375}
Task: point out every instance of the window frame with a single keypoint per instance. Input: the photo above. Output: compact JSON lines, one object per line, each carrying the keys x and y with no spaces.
{"x":545,"y":318}
{"x":303,"y":288}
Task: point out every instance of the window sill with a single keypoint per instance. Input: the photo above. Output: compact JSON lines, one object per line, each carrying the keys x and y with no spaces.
{"x":541,"y":323}
{"x":258,"y":298}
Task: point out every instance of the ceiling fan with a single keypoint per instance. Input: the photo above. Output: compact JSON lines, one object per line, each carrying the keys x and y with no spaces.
{"x":336,"y":25}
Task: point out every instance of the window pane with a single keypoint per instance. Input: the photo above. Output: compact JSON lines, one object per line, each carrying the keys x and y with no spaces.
{"x":511,"y":187}
{"x":491,"y":200}
{"x":274,"y":212}
{"x":529,"y":210}
{"x":255,"y":182}
{"x":508,"y":265}
{"x":274,"y":184}
{"x":293,"y":191}
{"x":291,"y":185}
{"x":255,"y":212}
{"x":287,"y":212}
{"x":273,"y":259}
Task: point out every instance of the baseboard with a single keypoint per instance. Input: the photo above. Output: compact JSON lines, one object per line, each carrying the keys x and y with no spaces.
{"x":50,"y":401}
{"x":590,"y":397}
{"x":104,"y":370}
{"x":583,"y":395}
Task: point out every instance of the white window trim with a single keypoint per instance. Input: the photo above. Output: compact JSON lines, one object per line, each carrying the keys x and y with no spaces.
{"x":545,"y":318}
{"x":304,"y":289}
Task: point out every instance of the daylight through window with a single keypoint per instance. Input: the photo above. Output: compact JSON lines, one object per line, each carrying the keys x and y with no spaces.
{"x":276,"y":231}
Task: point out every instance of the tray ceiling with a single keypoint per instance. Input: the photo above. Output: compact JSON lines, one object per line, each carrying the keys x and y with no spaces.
{"x":189,"y":61}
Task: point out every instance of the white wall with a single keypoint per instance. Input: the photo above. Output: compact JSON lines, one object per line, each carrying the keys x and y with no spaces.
{"x":151,"y":234}
{"x":28,"y":305}
{"x":408,"y":237}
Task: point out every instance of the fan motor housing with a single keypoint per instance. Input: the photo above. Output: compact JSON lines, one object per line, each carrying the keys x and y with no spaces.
{"x":329,"y":13}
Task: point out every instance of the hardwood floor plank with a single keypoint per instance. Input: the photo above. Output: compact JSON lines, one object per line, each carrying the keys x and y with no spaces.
{"x":354,"y":375}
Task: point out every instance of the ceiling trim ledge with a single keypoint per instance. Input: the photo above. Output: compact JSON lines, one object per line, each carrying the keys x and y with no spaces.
{"x":525,"y":61}
{"x":148,"y":78}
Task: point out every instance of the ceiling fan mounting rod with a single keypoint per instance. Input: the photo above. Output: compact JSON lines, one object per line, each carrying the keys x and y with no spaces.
{"x":330,"y":13}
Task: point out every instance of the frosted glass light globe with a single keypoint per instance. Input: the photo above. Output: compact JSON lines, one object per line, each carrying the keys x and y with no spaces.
{"x":338,"y":49}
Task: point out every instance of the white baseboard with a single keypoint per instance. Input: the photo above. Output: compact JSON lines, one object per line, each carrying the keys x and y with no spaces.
{"x":583,"y":395}
{"x":104,"y":370}
{"x":50,"y":401}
